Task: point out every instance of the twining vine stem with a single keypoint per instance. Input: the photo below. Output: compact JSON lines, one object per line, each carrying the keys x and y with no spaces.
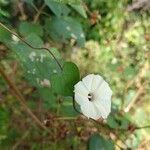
{"x":37,"y":48}
{"x":20,"y":98}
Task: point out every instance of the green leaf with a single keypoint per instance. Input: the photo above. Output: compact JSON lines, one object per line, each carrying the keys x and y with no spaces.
{"x":66,"y":108}
{"x":67,"y":1}
{"x":58,"y":9}
{"x":118,"y":121}
{"x":29,"y":2}
{"x":97,"y":142}
{"x":129,"y":72}
{"x":63,"y":83}
{"x":4,"y":117}
{"x":79,"y":9}
{"x":4,"y":35}
{"x":112,"y":122}
{"x":140,"y":117}
{"x":4,"y":13}
{"x":26,"y":28}
{"x":64,"y":29}
{"x":38,"y":65}
{"x":4,"y":2}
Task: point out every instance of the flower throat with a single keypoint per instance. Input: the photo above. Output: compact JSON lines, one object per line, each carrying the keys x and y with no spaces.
{"x":90,"y":97}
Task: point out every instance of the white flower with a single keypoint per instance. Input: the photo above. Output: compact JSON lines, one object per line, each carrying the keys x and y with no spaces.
{"x":93,"y":94}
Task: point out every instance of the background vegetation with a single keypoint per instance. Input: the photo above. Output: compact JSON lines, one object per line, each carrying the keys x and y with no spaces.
{"x":108,"y":37}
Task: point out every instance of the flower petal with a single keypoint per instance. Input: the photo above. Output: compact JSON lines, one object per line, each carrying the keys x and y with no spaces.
{"x":80,"y":99}
{"x":97,"y":81}
{"x":81,"y":89}
{"x":103,"y":105}
{"x":90,"y":111}
{"x":106,"y":103}
{"x":102,"y":91}
{"x":88,"y":81}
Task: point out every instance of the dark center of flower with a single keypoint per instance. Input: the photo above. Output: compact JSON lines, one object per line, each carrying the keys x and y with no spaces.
{"x":90,"y":96}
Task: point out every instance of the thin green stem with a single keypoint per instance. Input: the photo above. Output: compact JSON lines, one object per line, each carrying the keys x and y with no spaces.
{"x":37,"y":48}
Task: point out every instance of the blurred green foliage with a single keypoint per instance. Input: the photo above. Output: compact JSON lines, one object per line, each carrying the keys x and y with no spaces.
{"x":97,"y":142}
{"x":99,"y":37}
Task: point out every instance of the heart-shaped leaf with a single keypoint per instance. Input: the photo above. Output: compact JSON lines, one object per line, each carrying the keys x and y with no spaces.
{"x":26,"y":28}
{"x":97,"y":142}
{"x":79,"y":9}
{"x":63,"y":83}
{"x":57,"y":8}
{"x":38,"y":65}
{"x":66,"y":108}
{"x":64,"y":29}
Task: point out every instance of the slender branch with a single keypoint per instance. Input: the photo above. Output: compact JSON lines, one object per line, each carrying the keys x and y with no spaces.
{"x":21,"y":10}
{"x":20,"y":98}
{"x":119,"y":146}
{"x":44,"y":13}
{"x":39,"y":12}
{"x":37,"y":48}
{"x":144,"y":127}
{"x":139,"y":92}
{"x":65,"y":118}
{"x":20,"y":140}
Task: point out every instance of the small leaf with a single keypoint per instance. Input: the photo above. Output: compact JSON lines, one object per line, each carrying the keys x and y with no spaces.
{"x":63,"y":83}
{"x":4,"y":13}
{"x":4,"y":2}
{"x":29,"y":2}
{"x":4,"y":35}
{"x":140,"y":117}
{"x":26,"y":28}
{"x":64,"y":29}
{"x":129,"y":72}
{"x":79,"y":9}
{"x":66,"y":108}
{"x":112,"y":122}
{"x":97,"y":142}
{"x":4,"y":118}
{"x":58,"y":9}
{"x":118,"y":121}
